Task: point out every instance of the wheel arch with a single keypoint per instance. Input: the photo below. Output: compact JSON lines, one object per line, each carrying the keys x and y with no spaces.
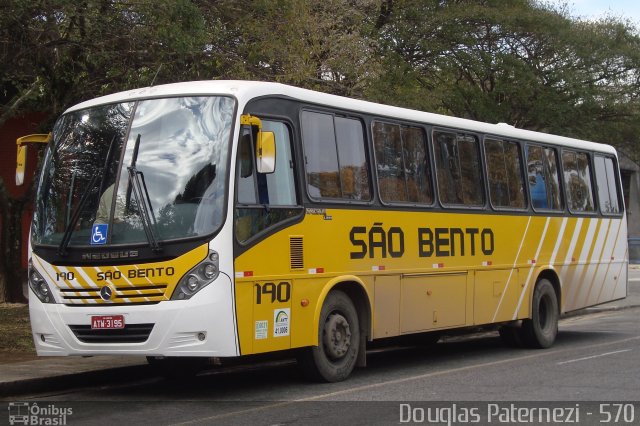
{"x":356,"y":290}
{"x":551,"y":275}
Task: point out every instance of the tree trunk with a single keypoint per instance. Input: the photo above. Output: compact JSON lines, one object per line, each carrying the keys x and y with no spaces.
{"x":11,"y":273}
{"x":17,"y":102}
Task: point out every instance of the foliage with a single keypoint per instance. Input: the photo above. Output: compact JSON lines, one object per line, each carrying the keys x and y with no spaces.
{"x":519,"y":62}
{"x":67,"y":51}
{"x":318,"y":45}
{"x":522,"y":62}
{"x":516,"y":62}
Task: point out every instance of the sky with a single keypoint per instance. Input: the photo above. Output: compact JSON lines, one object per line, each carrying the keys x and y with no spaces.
{"x":595,"y":9}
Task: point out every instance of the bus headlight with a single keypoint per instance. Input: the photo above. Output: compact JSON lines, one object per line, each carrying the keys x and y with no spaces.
{"x":203,"y":274}
{"x":39,"y":286}
{"x":193,"y":283}
{"x":209,"y":270}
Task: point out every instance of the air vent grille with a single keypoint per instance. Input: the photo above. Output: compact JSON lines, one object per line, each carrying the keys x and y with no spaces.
{"x":297,"y":252}
{"x":131,"y":333}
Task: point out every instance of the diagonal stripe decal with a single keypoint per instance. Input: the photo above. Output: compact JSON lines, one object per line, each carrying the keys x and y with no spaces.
{"x":608,"y":258}
{"x":531,"y":268}
{"x":513,"y":268}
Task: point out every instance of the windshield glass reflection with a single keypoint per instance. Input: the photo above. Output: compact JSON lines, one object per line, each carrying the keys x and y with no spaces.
{"x":181,"y":163}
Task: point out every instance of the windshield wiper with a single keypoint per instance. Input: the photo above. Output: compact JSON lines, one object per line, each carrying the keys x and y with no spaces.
{"x":138,"y":186}
{"x":70,"y":224}
{"x":62,"y":249}
{"x":72,"y":186}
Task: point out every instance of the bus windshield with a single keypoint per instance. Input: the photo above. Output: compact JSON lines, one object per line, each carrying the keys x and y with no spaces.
{"x":117,"y":172}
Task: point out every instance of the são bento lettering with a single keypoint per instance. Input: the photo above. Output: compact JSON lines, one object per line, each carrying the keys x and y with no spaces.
{"x":137,"y":273}
{"x":380,"y":242}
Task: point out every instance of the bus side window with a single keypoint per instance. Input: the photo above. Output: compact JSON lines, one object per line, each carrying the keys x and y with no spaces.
{"x":458,"y":169}
{"x":264,"y":199}
{"x":542,"y":175}
{"x":280,"y":184}
{"x":246,"y":157}
{"x":606,"y":184}
{"x":551,"y":171}
{"x":577,"y":179}
{"x":536,"y":177}
{"x":402,"y":163}
{"x":506,"y":188}
{"x":246,"y":179}
{"x":335,"y":159}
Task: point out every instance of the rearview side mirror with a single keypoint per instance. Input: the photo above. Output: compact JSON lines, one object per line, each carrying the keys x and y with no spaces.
{"x":21,"y":160}
{"x":266,"y":152}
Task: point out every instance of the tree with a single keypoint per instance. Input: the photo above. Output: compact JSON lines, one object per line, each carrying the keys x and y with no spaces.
{"x":54,"y":54}
{"x":517,"y":62}
{"x":521,"y":62}
{"x":318,"y":45}
{"x":57,"y":53}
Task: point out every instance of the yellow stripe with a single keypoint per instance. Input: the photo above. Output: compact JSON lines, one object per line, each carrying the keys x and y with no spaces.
{"x":80,"y":279}
{"x":525,"y":290}
{"x":515,"y":262}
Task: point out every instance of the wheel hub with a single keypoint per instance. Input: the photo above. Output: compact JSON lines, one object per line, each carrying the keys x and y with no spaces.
{"x":336,"y":336}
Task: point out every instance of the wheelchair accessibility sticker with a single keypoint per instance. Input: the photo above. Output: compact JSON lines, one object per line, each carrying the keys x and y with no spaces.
{"x":99,"y":234}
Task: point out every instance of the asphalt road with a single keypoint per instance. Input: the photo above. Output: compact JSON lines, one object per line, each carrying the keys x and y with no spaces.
{"x":596,"y":358}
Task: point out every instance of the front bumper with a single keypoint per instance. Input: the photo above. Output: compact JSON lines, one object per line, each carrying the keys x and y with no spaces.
{"x":178,"y":326}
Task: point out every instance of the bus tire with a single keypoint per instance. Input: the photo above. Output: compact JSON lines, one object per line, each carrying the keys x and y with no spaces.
{"x":540,"y":331}
{"x":335,"y":357}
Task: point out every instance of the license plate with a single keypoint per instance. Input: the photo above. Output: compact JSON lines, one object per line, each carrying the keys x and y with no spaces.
{"x":100,"y":322}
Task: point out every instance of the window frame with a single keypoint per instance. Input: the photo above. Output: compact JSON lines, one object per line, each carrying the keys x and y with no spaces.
{"x":563,"y":202}
{"x":589,"y":155}
{"x":268,"y":230}
{"x":428,"y":158}
{"x":525,"y":192}
{"x":483,"y":189}
{"x":365,"y":146}
{"x":616,"y":180}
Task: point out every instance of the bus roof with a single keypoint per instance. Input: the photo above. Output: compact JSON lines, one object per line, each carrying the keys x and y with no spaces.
{"x":244,"y":91}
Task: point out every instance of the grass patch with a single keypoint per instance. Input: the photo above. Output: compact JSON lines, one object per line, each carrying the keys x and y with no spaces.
{"x":15,"y":329}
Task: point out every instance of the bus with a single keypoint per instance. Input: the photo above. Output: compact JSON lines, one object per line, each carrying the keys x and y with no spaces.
{"x":219,"y":219}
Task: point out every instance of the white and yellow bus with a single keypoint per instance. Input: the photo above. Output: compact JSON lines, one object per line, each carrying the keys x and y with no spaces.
{"x":230,"y":218}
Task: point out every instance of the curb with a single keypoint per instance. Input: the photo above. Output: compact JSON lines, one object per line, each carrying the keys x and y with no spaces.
{"x":66,"y":381}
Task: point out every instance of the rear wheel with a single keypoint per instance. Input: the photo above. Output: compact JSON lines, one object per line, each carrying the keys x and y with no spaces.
{"x":338,"y":341}
{"x":540,"y":331}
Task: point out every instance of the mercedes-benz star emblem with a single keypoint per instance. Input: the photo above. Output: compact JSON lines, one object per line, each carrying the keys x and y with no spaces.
{"x":106,"y":293}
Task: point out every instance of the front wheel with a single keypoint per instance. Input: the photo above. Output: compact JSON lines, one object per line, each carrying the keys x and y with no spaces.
{"x":338,"y":341}
{"x":540,"y":331}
